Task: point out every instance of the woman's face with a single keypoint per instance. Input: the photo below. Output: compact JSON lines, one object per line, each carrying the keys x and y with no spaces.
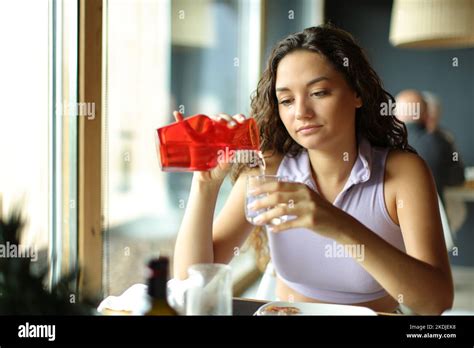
{"x":315,"y":103}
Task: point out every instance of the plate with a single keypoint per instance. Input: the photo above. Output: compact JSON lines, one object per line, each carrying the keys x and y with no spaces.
{"x":306,"y":308}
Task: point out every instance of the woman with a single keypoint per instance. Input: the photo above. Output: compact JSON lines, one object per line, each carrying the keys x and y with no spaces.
{"x":355,"y":183}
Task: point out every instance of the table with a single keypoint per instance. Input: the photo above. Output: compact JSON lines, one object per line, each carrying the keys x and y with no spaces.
{"x":246,"y":306}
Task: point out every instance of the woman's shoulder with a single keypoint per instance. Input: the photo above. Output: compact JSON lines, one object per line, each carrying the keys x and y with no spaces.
{"x":406,"y":175}
{"x":406,"y":166}
{"x":406,"y":159}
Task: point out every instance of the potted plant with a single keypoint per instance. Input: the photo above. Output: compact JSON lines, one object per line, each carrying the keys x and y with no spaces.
{"x":23,"y":290}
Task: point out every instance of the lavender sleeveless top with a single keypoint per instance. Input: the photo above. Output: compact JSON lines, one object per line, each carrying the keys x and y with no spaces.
{"x":320,"y":268}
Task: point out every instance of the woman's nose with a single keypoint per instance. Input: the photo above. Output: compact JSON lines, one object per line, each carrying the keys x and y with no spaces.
{"x":303,"y":110}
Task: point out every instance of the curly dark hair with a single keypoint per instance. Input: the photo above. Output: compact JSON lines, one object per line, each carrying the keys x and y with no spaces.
{"x":348,"y":58}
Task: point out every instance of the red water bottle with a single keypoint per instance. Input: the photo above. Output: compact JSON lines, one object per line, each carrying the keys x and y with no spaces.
{"x":194,"y":144}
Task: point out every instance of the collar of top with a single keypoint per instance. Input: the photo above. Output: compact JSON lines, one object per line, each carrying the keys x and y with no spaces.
{"x":360,"y":173}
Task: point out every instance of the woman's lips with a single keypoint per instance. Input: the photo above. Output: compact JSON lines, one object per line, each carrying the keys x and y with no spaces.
{"x":308,"y":129}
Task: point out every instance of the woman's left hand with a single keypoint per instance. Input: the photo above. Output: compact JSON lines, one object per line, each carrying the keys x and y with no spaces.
{"x":308,"y":209}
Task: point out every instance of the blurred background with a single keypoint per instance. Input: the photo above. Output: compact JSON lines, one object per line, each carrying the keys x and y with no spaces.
{"x":196,"y":56}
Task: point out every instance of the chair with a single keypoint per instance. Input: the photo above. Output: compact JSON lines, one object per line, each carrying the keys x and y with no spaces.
{"x":448,"y":236}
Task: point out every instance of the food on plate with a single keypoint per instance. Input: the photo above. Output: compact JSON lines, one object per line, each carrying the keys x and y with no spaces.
{"x":110,"y":311}
{"x":281,"y":310}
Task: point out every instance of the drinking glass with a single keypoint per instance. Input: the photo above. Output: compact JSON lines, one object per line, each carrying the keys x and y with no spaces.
{"x":210,"y":290}
{"x":254,"y":181}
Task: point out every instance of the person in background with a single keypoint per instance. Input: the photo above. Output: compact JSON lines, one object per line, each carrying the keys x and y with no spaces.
{"x":433,"y":118}
{"x":421,"y":116}
{"x":433,"y":105}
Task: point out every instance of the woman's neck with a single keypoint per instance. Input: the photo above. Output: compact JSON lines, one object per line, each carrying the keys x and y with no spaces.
{"x":333,"y":165}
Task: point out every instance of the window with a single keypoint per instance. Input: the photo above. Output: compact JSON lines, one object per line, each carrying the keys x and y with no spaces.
{"x":192,"y":56}
{"x":38,"y":125}
{"x":25,"y":116}
{"x":201,"y":56}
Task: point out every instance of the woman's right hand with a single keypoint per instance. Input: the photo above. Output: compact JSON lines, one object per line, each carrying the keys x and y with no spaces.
{"x":217,"y":174}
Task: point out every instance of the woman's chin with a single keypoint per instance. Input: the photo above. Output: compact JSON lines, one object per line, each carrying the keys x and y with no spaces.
{"x":312,"y":144}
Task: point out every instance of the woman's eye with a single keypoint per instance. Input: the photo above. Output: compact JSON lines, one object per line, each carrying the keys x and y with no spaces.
{"x":285,"y":102}
{"x":320,"y":93}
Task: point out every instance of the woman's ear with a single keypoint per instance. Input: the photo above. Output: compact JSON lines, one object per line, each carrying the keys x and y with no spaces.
{"x":358,"y":101}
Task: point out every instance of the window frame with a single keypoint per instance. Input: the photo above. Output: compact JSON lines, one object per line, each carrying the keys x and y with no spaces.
{"x":90,"y":203}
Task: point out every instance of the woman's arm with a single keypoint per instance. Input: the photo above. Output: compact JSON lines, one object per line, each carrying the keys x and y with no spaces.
{"x":202,"y":241}
{"x":194,"y":241}
{"x":420,"y":279}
